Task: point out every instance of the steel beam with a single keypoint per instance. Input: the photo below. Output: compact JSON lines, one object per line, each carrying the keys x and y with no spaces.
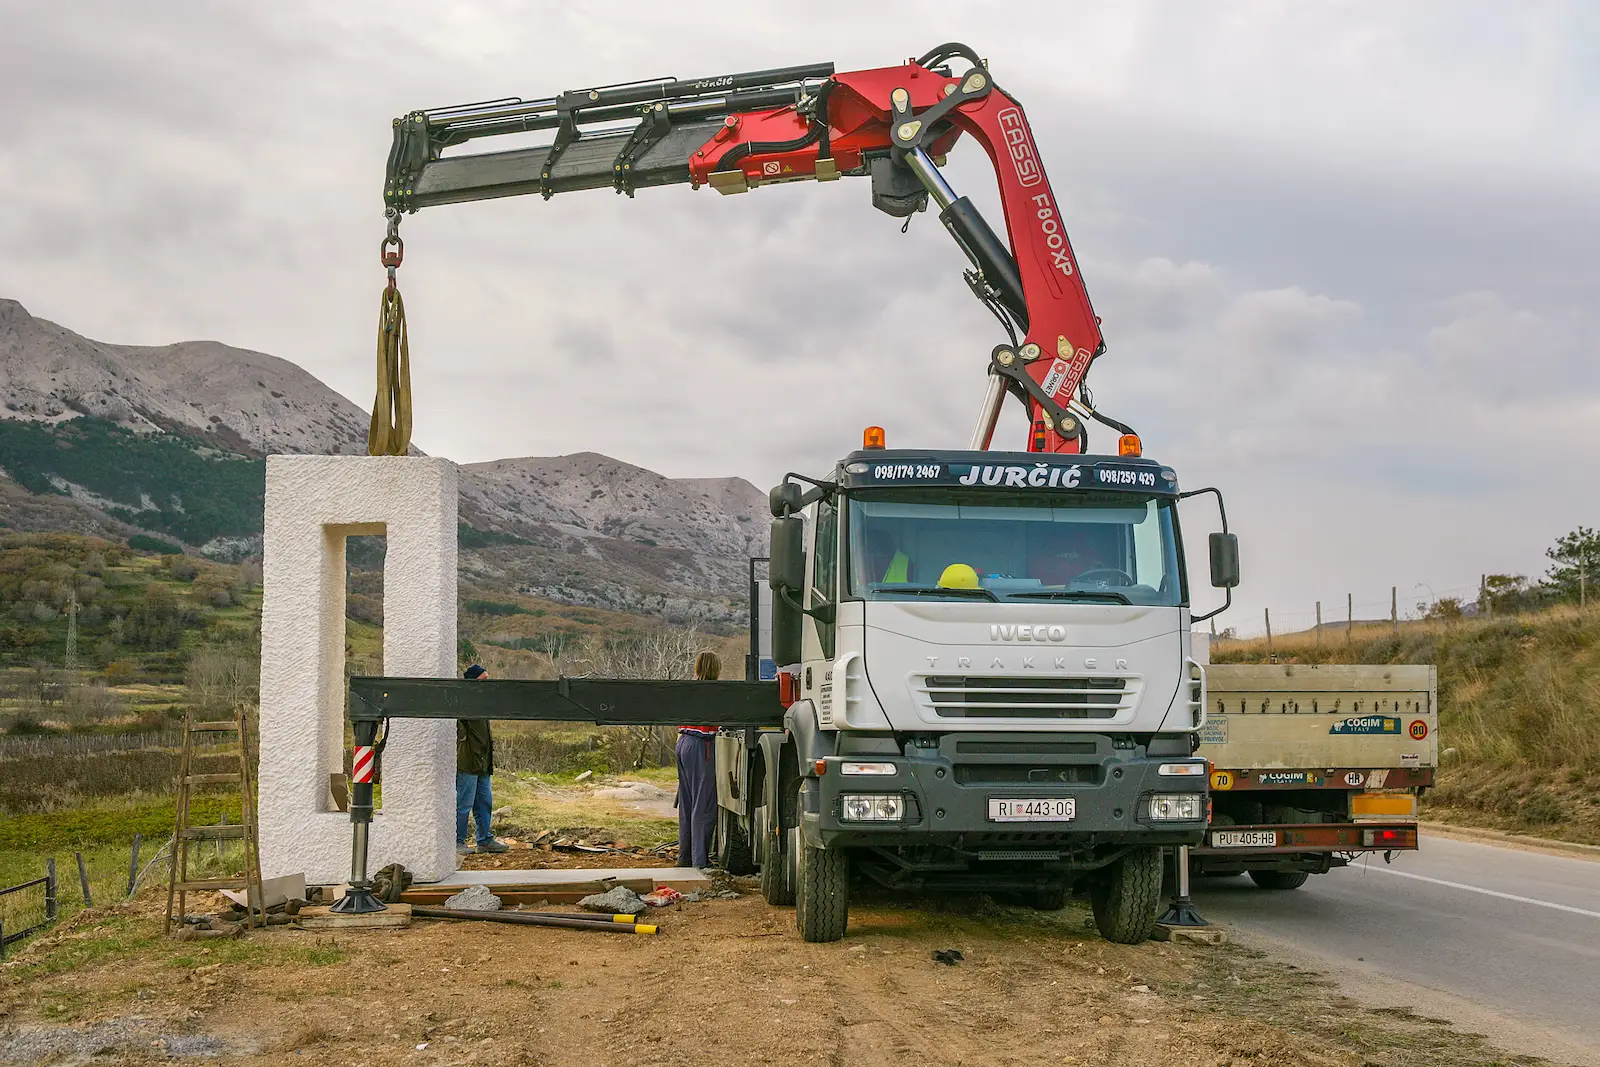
{"x":603,"y":701}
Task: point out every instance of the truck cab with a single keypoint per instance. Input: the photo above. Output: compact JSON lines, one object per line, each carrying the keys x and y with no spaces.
{"x":986,"y":659}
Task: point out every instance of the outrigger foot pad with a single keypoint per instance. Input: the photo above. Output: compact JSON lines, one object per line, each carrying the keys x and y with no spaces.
{"x":358,"y":900}
{"x":1179,"y":913}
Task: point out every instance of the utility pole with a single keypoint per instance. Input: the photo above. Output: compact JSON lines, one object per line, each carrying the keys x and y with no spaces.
{"x":1267,"y":613}
{"x":1394,"y":608}
{"x":1583,"y":581}
{"x":72,"y":634}
{"x":1349,"y":616}
{"x":1485,"y":601}
{"x":1319,"y":624}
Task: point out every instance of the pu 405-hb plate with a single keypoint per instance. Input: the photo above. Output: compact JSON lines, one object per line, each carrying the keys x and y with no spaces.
{"x":1244,"y":839}
{"x":1032,"y":809}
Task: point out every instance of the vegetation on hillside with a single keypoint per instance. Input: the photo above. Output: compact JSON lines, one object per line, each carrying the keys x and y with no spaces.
{"x":157,"y":481}
{"x":1519,"y":710}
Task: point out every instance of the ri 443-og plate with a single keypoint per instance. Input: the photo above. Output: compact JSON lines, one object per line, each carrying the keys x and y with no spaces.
{"x":1032,"y":809}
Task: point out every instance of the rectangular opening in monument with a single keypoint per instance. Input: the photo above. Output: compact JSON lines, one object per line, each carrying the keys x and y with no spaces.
{"x":364,"y":556}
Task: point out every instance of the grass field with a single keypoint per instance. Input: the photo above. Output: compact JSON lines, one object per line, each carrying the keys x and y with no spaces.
{"x":1519,"y":711}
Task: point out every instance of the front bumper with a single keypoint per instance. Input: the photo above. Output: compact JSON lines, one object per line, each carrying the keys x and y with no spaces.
{"x":948,"y":780}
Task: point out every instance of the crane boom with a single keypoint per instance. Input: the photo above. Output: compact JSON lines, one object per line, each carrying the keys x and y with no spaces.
{"x":737,"y":132}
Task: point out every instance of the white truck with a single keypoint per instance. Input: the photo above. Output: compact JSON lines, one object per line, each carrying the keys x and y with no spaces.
{"x":987,"y":670}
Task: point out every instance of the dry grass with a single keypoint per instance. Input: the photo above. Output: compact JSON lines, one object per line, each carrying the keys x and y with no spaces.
{"x":1519,"y":710}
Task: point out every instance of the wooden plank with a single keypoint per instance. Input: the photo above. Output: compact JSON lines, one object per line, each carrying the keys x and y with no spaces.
{"x":320,"y":918}
{"x":210,"y":883}
{"x":214,"y":727}
{"x":225,"y":778}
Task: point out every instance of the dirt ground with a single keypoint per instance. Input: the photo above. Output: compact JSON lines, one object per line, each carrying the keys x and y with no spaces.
{"x":727,"y":982}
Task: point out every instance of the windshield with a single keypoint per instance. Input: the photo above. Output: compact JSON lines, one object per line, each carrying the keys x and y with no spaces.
{"x":1088,"y":547}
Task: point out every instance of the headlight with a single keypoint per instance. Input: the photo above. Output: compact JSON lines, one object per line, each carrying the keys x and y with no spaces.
{"x":1175,"y":807}
{"x":866,"y":768}
{"x":871,"y":807}
{"x":1181,"y":769}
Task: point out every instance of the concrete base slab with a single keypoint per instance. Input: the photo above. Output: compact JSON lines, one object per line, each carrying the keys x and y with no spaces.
{"x":319,"y":918}
{"x":1192,"y":935}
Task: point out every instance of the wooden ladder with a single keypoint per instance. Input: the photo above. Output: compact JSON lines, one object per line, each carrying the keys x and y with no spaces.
{"x":179,"y":884}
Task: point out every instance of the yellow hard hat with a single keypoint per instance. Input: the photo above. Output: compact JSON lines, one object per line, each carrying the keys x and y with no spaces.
{"x":959,"y":576}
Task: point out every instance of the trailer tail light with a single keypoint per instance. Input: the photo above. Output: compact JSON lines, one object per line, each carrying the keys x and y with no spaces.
{"x":874,"y":437}
{"x":1390,"y":838}
{"x":1130,"y":445}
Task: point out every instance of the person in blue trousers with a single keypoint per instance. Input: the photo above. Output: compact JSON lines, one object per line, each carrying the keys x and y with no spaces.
{"x":474,"y":768}
{"x":697,"y":779}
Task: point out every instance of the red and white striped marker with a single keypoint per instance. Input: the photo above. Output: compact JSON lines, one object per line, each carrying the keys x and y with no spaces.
{"x":361,"y":769}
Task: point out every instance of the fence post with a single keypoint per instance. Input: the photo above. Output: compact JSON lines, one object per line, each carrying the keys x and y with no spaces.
{"x":83,"y":880}
{"x":2,"y":940}
{"x":1349,"y":616}
{"x":50,"y":890}
{"x":133,"y":862}
{"x":1394,"y":608}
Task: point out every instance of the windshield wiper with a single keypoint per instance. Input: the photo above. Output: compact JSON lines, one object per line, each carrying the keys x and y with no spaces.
{"x":940,"y":590}
{"x":1073,"y":594}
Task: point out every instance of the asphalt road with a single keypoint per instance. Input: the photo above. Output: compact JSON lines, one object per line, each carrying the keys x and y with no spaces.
{"x":1514,"y":932}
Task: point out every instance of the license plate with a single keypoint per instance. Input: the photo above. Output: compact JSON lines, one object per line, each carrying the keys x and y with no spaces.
{"x":1033,"y":809}
{"x":1244,"y":839}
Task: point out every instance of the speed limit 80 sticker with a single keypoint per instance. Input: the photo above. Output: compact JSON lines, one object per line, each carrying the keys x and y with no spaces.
{"x":1419,"y":729}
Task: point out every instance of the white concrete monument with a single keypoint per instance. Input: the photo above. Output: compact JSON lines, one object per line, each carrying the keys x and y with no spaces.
{"x":313,"y":503}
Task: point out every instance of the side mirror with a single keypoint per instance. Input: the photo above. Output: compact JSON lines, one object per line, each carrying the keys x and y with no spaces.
{"x":787,"y":567}
{"x":784,"y":499}
{"x":1224,"y":560}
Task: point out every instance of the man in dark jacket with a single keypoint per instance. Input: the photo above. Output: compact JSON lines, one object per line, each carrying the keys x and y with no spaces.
{"x":474,"y":766}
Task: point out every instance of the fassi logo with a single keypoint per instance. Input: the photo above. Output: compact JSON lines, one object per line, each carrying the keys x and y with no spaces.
{"x":1020,"y":147}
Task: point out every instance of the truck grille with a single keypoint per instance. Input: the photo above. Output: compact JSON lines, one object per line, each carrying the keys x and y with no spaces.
{"x":1029,"y":697}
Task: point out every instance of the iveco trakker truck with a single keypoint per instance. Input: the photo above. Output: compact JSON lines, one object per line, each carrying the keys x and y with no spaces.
{"x":985,"y":658}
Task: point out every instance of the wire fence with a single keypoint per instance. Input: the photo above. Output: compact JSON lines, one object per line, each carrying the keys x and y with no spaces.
{"x":1338,"y":614}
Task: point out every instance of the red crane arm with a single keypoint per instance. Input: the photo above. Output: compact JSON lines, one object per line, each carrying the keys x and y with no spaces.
{"x":738,"y":132}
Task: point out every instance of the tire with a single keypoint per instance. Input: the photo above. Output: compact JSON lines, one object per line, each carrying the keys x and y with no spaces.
{"x":822,"y":893}
{"x":733,"y":845}
{"x":776,"y":886}
{"x":1049,"y":897}
{"x":1278,"y":880}
{"x":1127,"y":900}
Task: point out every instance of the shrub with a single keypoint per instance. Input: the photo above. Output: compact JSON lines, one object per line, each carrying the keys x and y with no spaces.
{"x":146,"y":543}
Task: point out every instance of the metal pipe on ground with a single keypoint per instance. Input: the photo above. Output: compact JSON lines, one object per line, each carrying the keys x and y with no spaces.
{"x":602,"y":923}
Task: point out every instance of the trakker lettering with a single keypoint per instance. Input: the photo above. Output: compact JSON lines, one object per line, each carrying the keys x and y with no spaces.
{"x":1020,"y":147}
{"x":1038,"y":477}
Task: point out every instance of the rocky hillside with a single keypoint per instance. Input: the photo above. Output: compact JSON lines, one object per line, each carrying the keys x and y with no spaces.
{"x":232,"y":398}
{"x":116,"y":440}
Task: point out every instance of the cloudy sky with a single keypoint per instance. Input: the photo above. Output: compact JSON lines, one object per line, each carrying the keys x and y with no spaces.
{"x":1345,"y":252}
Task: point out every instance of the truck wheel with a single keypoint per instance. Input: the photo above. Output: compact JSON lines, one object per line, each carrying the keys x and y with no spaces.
{"x":733,"y":846}
{"x":1279,"y":879}
{"x":822,"y":893}
{"x":1127,"y":899}
{"x":776,"y":886}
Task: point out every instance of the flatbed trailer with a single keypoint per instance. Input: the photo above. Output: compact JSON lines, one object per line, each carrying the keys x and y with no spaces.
{"x":1314,"y":765}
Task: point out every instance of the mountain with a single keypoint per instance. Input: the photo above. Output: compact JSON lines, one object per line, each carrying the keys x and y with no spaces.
{"x":117,"y":440}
